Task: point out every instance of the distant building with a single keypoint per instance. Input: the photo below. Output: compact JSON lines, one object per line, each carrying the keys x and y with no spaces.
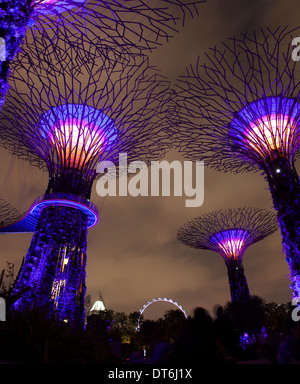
{"x":97,"y":307}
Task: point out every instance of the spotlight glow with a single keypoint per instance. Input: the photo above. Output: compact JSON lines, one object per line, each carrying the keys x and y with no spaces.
{"x":271,"y":133}
{"x":269,"y":126}
{"x":39,"y":2}
{"x":232,"y":247}
{"x":52,"y":7}
{"x":78,"y":140}
{"x":77,"y":133}
{"x":231,"y":243}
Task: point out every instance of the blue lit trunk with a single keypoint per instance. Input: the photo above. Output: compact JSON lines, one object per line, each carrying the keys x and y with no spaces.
{"x":285,"y":189}
{"x":239,"y":290}
{"x":54,"y":267}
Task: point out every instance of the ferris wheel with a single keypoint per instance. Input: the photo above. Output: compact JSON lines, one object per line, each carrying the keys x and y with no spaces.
{"x":150,"y":302}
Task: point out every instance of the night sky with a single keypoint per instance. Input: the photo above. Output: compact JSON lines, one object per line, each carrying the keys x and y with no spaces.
{"x":133,"y":253}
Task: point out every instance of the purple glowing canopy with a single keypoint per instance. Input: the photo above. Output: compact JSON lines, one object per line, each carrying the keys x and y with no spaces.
{"x":229,"y":233}
{"x":246,"y":78}
{"x":117,"y":100}
{"x":77,"y":133}
{"x":267,"y":128}
{"x":228,"y":230}
{"x":232,"y":243}
{"x":66,"y":122}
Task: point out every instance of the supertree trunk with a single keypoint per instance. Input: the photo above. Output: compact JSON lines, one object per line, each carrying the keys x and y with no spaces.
{"x":71,"y":181}
{"x":58,"y":248}
{"x":284,"y":185}
{"x":239,"y":290}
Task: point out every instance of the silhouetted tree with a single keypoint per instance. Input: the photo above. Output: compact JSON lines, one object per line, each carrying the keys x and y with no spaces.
{"x":276,"y":315}
{"x":247,"y":316}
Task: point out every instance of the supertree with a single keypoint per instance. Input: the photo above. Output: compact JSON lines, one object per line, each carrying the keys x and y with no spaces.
{"x":229,"y":233}
{"x":67,"y":123}
{"x":137,"y":24}
{"x":240,"y":112}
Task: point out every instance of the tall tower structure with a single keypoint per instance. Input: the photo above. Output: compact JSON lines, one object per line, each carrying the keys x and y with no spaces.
{"x":66,"y":123}
{"x":240,"y":112}
{"x":229,"y":233}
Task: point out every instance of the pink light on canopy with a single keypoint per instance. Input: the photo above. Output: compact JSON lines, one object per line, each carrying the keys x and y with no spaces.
{"x":78,"y":134}
{"x":271,"y":133}
{"x":51,"y":7}
{"x":231,"y":243}
{"x":76,"y":141}
{"x":39,"y":2}
{"x":267,"y":129}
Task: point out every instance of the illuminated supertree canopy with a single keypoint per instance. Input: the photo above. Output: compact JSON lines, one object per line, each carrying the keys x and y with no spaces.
{"x":240,"y":112}
{"x":229,"y":233}
{"x":68,"y":124}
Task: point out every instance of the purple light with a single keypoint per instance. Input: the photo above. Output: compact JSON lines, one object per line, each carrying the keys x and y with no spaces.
{"x":231,"y":243}
{"x":274,"y":132}
{"x":269,"y":126}
{"x":53,"y":200}
{"x":78,"y":133}
{"x":55,"y":264}
{"x":295,"y":286}
{"x":51,"y":7}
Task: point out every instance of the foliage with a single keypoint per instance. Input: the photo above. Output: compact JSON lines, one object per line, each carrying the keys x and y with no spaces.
{"x":111,"y":337}
{"x":251,"y":316}
{"x":247,"y":316}
{"x":164,"y":329}
{"x":117,"y":324}
{"x":33,"y":337}
{"x":119,"y":327}
{"x":276,"y":315}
